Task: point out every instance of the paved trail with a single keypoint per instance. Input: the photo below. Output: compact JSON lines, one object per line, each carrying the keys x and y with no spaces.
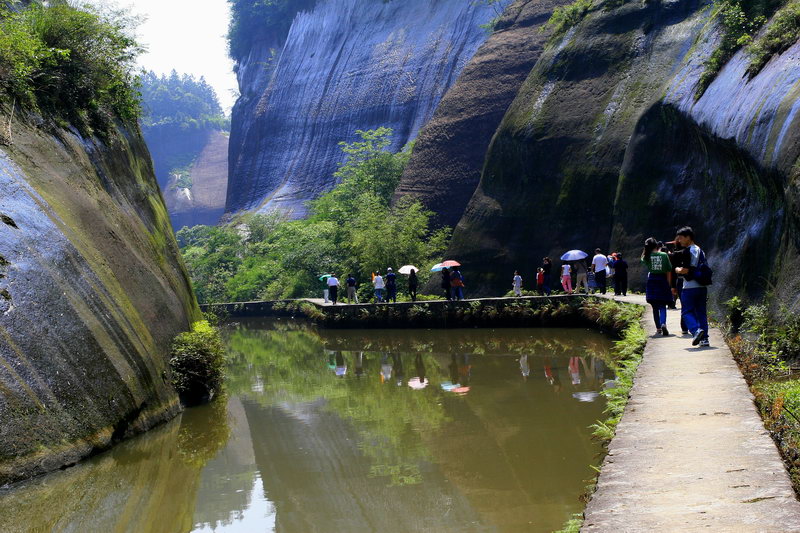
{"x":691,"y":452}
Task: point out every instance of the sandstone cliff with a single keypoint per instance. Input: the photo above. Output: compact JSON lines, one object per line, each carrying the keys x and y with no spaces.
{"x":605,"y":145}
{"x":345,"y":65}
{"x":92,"y":291}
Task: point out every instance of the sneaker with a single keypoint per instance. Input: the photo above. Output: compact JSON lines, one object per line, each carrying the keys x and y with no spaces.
{"x":704,"y":343}
{"x":664,"y":330}
{"x":699,"y":336}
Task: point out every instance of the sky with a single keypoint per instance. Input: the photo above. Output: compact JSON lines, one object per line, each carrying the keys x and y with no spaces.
{"x":188,"y":36}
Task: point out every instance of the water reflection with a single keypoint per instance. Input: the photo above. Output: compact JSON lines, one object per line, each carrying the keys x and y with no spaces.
{"x":353,"y":431}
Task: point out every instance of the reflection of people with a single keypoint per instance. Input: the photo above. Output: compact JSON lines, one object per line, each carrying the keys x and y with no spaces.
{"x":453,"y":367}
{"x":464,"y":370}
{"x":359,"y":364}
{"x":386,"y":368}
{"x":524,"y":368}
{"x":575,"y":370}
{"x":399,"y":371}
{"x":551,"y":374}
{"x":341,"y":368}
{"x":419,"y":364}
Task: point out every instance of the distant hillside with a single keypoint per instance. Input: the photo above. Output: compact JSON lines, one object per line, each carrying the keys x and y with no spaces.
{"x":187,"y":134}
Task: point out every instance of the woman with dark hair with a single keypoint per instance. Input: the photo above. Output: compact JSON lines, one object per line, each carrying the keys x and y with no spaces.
{"x":547,"y":266}
{"x":413,"y":282}
{"x":659,"y":280}
{"x":446,"y":283}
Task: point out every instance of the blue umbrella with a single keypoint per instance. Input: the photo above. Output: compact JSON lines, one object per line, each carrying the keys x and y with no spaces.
{"x":574,"y":255}
{"x":437,"y":267}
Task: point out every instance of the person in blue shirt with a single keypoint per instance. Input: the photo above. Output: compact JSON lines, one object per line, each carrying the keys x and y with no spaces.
{"x":391,"y":285}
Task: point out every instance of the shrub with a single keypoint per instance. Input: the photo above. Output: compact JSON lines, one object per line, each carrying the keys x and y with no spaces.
{"x":197,"y":363}
{"x":565,"y":17}
{"x":782,"y":33}
{"x":72,"y":62}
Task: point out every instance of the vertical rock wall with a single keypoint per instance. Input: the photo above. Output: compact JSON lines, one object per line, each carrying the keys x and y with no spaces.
{"x":345,"y":65}
{"x":92,"y":291}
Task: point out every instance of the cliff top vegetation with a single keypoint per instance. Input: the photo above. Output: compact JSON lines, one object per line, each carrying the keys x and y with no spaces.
{"x":74,"y":63}
{"x":256,"y":19}
{"x":182,"y":100}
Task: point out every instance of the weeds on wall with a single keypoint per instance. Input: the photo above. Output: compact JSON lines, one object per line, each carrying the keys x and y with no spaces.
{"x":197,"y":363}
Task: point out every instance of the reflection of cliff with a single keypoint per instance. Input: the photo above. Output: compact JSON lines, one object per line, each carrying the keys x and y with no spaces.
{"x":204,"y":201}
{"x":294,"y":445}
{"x":345,"y":65}
{"x":141,"y":486}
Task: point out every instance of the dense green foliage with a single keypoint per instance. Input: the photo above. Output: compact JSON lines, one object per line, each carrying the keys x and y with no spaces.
{"x":181,"y":100}
{"x":740,"y":21}
{"x":351,"y":229}
{"x":783,"y":32}
{"x":75,"y":63}
{"x":565,"y":17}
{"x":254,"y":19}
{"x":197,"y":363}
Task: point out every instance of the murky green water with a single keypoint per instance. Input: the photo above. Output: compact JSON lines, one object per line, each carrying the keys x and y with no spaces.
{"x":350,"y":431}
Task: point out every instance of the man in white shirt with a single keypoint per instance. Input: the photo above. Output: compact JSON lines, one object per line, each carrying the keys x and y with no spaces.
{"x":379,"y":285}
{"x":599,"y":263}
{"x":333,"y":288}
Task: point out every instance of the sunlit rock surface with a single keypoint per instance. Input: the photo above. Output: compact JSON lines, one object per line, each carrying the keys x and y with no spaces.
{"x":92,"y":291}
{"x":346,"y":65}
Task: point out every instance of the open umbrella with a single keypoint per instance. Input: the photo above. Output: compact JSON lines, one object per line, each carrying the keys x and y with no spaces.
{"x":438,"y":267}
{"x":574,"y":255}
{"x":451,"y":263}
{"x":406,"y":269}
{"x":325,"y":276}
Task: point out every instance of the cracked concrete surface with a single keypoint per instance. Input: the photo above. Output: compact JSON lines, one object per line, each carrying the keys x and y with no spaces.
{"x":691,"y":452}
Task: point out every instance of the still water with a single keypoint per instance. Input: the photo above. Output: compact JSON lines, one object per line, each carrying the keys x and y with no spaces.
{"x":351,"y":431}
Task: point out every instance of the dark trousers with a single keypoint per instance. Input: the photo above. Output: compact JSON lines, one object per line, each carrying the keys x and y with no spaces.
{"x":621,"y":284}
{"x":333,"y":293}
{"x":447,"y":294}
{"x":391,"y":293}
{"x":412,"y":292}
{"x":600,"y":279}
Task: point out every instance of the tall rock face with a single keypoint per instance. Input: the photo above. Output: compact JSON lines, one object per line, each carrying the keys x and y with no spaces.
{"x":345,"y":65}
{"x":445,"y":167}
{"x":92,"y":291}
{"x":606,"y":145}
{"x":201,"y":198}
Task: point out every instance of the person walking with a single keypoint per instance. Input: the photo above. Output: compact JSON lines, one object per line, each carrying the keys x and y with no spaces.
{"x":694,"y":295}
{"x":581,"y":276}
{"x":333,"y":288}
{"x":599,"y":263}
{"x":620,"y":276}
{"x":566,"y":278}
{"x":540,"y":281}
{"x":391,"y":286}
{"x":676,"y":257}
{"x":457,"y":284}
{"x":516,"y":284}
{"x":351,"y":289}
{"x":379,"y":285}
{"x":446,"y":283}
{"x":547,"y":267}
{"x":659,"y":279}
{"x":413,"y":283}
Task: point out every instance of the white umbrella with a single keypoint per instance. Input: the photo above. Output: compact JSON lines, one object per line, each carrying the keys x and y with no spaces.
{"x":406,"y":269}
{"x":574,"y":255}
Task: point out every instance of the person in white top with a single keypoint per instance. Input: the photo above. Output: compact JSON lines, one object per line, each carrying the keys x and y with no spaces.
{"x":599,"y":263}
{"x":517,"y":284}
{"x":566,"y":277}
{"x":379,"y":285}
{"x":333,"y":288}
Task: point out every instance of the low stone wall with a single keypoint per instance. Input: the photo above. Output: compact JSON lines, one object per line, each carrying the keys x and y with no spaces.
{"x":534,"y":311}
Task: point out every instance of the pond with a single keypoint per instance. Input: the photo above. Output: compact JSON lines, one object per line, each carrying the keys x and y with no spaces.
{"x":350,"y":431}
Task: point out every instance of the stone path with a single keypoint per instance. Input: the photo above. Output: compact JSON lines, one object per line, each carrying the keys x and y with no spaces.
{"x":691,"y":452}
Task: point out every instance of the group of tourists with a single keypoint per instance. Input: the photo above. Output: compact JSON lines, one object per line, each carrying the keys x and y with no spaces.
{"x":385,"y":287}
{"x":452,"y":283}
{"x":677,"y":270}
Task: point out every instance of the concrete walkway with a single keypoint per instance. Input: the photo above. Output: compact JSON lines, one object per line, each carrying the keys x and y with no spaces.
{"x":691,"y":452}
